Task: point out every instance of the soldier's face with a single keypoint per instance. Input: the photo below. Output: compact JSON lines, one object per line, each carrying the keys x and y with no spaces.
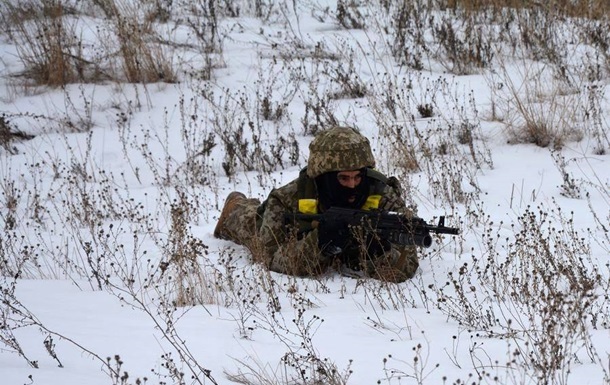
{"x":349,"y":179}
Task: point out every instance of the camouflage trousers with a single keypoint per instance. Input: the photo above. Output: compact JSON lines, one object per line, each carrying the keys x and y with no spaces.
{"x":240,"y":225}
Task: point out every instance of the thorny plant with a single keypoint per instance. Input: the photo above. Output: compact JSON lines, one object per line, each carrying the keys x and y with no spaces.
{"x":250,"y":143}
{"x":570,"y":187}
{"x":47,"y":42}
{"x":15,"y":315}
{"x":447,"y":149}
{"x":537,"y":109}
{"x":419,"y":366}
{"x":301,"y":363}
{"x":540,"y":290}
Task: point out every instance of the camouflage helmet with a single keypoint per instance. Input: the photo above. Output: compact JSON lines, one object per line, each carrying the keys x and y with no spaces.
{"x":339,"y":149}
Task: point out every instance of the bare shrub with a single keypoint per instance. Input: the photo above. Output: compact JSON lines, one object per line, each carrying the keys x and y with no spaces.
{"x":536,"y":283}
{"x":249,"y":142}
{"x":593,"y":32}
{"x":537,"y":109}
{"x":425,"y":35}
{"x":344,"y":75}
{"x":204,"y":22}
{"x":142,"y":58}
{"x":319,"y":113}
{"x":418,"y":368}
{"x":407,"y":33}
{"x":198,"y":142}
{"x":325,"y":75}
{"x":156,"y":300}
{"x":575,"y":8}
{"x":541,"y":36}
{"x":570,"y":187}
{"x":539,"y":293}
{"x":51,"y":43}
{"x":392,"y":104}
{"x":15,"y":315}
{"x":465,"y":48}
{"x":348,"y":15}
{"x":425,"y":110}
{"x":9,"y":134}
{"x":46,"y":37}
{"x":273,"y":96}
{"x":595,"y":121}
{"x":301,"y":363}
{"x":193,"y":285}
{"x":10,"y":319}
{"x":449,"y":149}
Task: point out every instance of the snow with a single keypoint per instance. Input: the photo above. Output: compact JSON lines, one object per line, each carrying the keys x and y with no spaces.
{"x":103,"y":201}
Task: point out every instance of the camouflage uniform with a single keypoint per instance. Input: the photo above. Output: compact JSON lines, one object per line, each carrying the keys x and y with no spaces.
{"x":262,"y":228}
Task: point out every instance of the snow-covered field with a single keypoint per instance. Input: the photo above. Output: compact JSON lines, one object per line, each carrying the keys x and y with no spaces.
{"x":109,"y":270}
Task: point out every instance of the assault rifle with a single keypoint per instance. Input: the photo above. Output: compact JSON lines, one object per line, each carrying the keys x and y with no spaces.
{"x":391,"y":226}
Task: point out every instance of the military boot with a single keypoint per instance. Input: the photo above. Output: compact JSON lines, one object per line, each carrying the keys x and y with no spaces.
{"x":230,"y":204}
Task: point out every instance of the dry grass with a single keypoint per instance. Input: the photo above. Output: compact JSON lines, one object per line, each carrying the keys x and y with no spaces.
{"x":143,"y":59}
{"x":46,"y":42}
{"x":572,"y":8}
{"x":50,"y":43}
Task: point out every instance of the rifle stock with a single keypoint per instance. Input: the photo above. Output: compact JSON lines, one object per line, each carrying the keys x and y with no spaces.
{"x":394,"y":227}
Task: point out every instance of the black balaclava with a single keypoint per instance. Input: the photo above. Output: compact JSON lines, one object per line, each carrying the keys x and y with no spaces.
{"x":332,"y":193}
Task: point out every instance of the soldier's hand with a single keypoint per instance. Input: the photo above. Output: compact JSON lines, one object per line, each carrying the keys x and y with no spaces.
{"x":377,"y":246}
{"x":333,"y":236}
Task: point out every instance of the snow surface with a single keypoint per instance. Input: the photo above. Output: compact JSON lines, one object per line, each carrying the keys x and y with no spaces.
{"x":357,"y":324}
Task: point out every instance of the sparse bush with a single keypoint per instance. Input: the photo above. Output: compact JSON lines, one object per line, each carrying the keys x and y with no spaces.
{"x":319,"y":114}
{"x":425,"y":110}
{"x":204,"y":22}
{"x":570,"y":188}
{"x":344,"y":75}
{"x":432,"y":146}
{"x":9,"y":134}
{"x":537,"y":109}
{"x":593,"y":32}
{"x":463,"y":52}
{"x":407,"y":34}
{"x":301,"y":363}
{"x":142,"y":58}
{"x":563,"y":8}
{"x":45,"y":34}
{"x":348,"y":15}
{"x":249,"y":142}
{"x":538,"y":295}
{"x":596,"y":124}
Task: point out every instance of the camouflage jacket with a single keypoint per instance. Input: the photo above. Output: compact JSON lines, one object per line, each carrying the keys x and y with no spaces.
{"x":299,"y":255}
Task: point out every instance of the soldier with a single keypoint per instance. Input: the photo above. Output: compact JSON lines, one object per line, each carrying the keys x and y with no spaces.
{"x":340,"y":172}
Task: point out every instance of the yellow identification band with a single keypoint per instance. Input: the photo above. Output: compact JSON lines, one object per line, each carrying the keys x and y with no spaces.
{"x":308,"y":206}
{"x":372,"y":202}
